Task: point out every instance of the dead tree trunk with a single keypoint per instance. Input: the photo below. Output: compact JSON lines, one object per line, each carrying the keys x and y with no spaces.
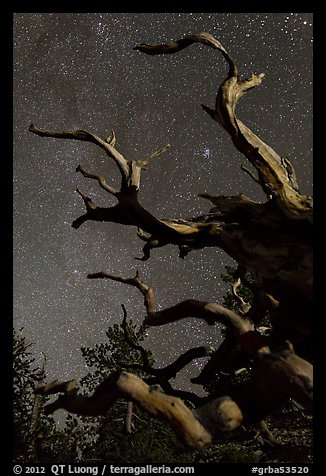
{"x":35,"y":418}
{"x":271,"y":239}
{"x":278,"y":377}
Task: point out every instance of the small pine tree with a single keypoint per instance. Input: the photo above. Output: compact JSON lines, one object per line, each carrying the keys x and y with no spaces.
{"x":106,"y":438}
{"x":30,"y":425}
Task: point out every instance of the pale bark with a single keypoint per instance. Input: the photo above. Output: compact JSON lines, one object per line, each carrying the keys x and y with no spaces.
{"x":128,"y":420}
{"x":211,"y":313}
{"x":272,"y":239}
{"x":260,"y":237}
{"x":276,"y":173}
{"x":279,"y":376}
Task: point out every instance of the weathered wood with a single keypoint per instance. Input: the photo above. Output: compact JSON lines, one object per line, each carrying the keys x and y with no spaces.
{"x":211,"y":313}
{"x":186,"y":423}
{"x":272,"y":239}
{"x":279,"y":376}
{"x":128,"y":420}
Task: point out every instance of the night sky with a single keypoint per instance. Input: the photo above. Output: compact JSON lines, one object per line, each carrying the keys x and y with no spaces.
{"x":79,"y":71}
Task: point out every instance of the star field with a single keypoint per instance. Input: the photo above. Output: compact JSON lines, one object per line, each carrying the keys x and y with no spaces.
{"x":79,"y":71}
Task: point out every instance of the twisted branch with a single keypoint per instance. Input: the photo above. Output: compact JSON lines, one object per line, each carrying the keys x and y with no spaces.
{"x":276,"y":174}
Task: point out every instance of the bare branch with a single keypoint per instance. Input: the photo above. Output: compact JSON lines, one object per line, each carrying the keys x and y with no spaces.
{"x":155,"y":155}
{"x":57,"y":387}
{"x":101,"y":180}
{"x":186,"y":423}
{"x":111,"y":139}
{"x":273,"y":239}
{"x":171,"y":370}
{"x":146,"y":290}
{"x":156,"y":403}
{"x":251,"y":175}
{"x":211,"y":313}
{"x":178,"y":45}
{"x":161,"y":376}
{"x":88,"y":137}
{"x":216,"y":360}
{"x":235,"y":285}
{"x":277,"y":176}
{"x":278,"y":376}
{"x":87,"y":200}
{"x":139,"y":348}
{"x":239,"y":208}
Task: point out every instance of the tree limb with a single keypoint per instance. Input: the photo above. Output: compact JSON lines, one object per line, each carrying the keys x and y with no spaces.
{"x":101,"y":180}
{"x":272,"y":238}
{"x":235,"y":285}
{"x":155,"y":155}
{"x":178,"y":45}
{"x":131,"y":387}
{"x":147,"y":291}
{"x":146,"y":365}
{"x":89,"y":137}
{"x":161,"y":376}
{"x":277,"y":175}
{"x":211,"y":313}
{"x":278,"y":376}
{"x":171,"y":370}
{"x":251,"y":175}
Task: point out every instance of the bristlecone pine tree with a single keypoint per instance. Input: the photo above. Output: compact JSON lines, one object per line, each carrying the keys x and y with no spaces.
{"x":272,"y":240}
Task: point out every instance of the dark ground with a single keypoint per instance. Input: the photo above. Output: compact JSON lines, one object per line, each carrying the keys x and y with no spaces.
{"x":289,"y":425}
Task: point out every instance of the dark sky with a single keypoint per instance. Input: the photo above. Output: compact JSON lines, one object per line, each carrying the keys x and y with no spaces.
{"x":79,"y":71}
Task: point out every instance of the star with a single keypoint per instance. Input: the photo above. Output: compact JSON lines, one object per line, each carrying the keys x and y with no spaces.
{"x":79,"y":71}
{"x":206,"y":153}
